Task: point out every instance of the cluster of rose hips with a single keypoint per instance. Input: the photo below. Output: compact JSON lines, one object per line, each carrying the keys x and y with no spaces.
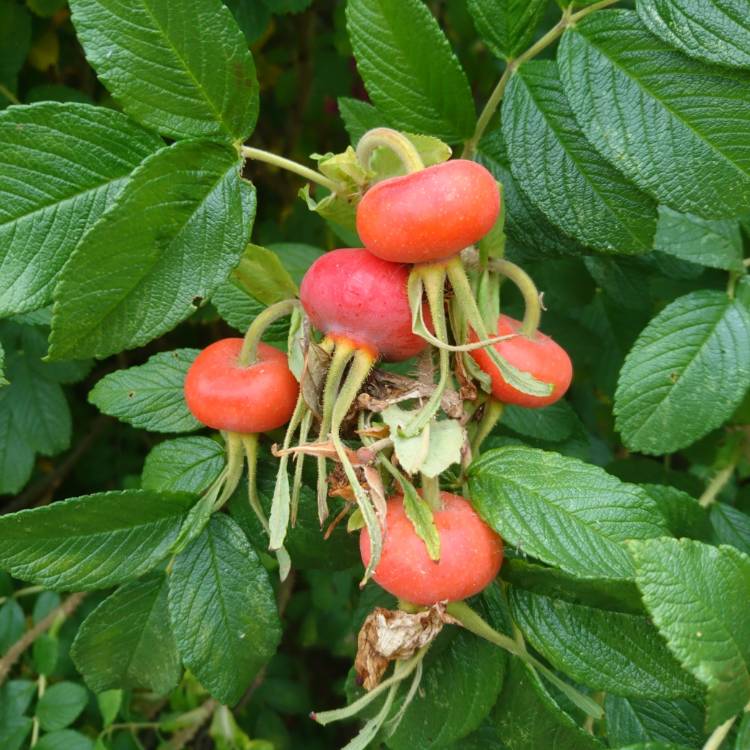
{"x":386,"y":302}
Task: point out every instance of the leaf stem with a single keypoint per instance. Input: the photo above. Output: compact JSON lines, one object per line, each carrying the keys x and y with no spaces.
{"x":9,"y":95}
{"x":533,"y":307}
{"x":719,"y":735}
{"x":493,"y":411}
{"x":393,"y":140}
{"x":720,"y":480}
{"x":568,"y":19}
{"x":249,"y":352}
{"x":431,"y":492}
{"x":259,"y":154}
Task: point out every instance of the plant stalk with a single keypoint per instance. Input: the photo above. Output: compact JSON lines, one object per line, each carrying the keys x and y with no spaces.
{"x":393,"y":140}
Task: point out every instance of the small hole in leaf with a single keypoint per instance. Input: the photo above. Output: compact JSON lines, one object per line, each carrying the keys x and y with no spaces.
{"x":131,"y":394}
{"x":197,"y":301}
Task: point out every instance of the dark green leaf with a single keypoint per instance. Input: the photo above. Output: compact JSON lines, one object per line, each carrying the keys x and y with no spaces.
{"x":527,"y":716}
{"x":82,"y":155}
{"x":61,"y":705}
{"x":359,"y":117}
{"x":12,"y":623}
{"x":45,"y":653}
{"x":630,"y":720}
{"x":127,"y":641}
{"x":730,"y":526}
{"x":65,"y":739}
{"x":177,"y":229}
{"x":562,"y":511}
{"x":261,"y":274}
{"x":697,"y":596}
{"x":675,"y":127}
{"x":16,"y":455}
{"x":712,"y":30}
{"x":14,"y":731}
{"x":181,"y":68}
{"x":507,"y":26}
{"x":591,"y":201}
{"x":553,"y":423}
{"x":93,"y":541}
{"x":223,"y":610}
{"x":187,"y":464}
{"x":716,"y":243}
{"x":618,"y":653}
{"x":252,"y":17}
{"x":399,"y":47}
{"x":239,"y":309}
{"x":149,"y":396}
{"x":686,"y":374}
{"x":15,"y":698}
{"x":15,"y":38}
{"x":685,"y":517}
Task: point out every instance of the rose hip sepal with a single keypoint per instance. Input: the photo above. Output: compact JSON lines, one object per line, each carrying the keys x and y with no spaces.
{"x":538,"y":355}
{"x":225,"y":395}
{"x":430,"y":214}
{"x":350,"y":294}
{"x":471,"y":554}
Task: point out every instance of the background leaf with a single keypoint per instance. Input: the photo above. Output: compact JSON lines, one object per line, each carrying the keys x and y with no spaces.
{"x":696,"y":595}
{"x":149,"y":396}
{"x":675,"y":127}
{"x":181,"y":68}
{"x":177,"y":229}
{"x":93,"y":541}
{"x":223,"y":611}
{"x":127,"y":641}
{"x":61,"y":165}
{"x":507,"y":26}
{"x":686,"y":374}
{"x":399,"y":46}
{"x":187,"y":464}
{"x":61,"y":705}
{"x":561,"y":510}
{"x":15,"y":38}
{"x":562,"y":173}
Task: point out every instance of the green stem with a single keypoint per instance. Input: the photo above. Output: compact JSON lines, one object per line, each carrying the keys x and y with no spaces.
{"x":250,"y":444}
{"x":493,"y":411}
{"x":568,"y":19}
{"x":431,"y":492}
{"x":719,"y":734}
{"x":393,"y":140}
{"x":533,"y":307}
{"x":258,"y":154}
{"x":720,"y":480}
{"x":299,"y":465}
{"x":249,"y":352}
{"x":235,"y":466}
{"x":434,"y":281}
{"x":9,"y":95}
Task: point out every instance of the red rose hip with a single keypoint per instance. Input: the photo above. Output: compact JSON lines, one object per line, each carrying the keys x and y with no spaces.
{"x":538,"y":355}
{"x":471,"y":554}
{"x":350,"y":294}
{"x":224,"y":395}
{"x":429,"y":215}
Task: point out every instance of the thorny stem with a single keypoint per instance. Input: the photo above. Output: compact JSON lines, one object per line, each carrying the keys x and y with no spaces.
{"x":249,"y":352}
{"x":568,"y":19}
{"x":393,"y":140}
{"x":291,"y":166}
{"x":533,"y":308}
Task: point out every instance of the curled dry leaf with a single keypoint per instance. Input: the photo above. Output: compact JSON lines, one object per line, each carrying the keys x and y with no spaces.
{"x":385,"y":389}
{"x":387,"y":635}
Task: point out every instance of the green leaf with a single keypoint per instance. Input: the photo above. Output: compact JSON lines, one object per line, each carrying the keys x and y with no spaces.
{"x":183,"y":69}
{"x":684,"y":515}
{"x":527,"y":716}
{"x":149,"y":396}
{"x":223,"y":610}
{"x":13,"y":732}
{"x":717,"y":243}
{"x":697,"y":596}
{"x":15,"y":39}
{"x":631,"y":720}
{"x":45,"y":653}
{"x":562,"y":511}
{"x":239,"y":309}
{"x":507,"y":26}
{"x":730,"y":526}
{"x":592,"y":202}
{"x":359,"y":117}
{"x":554,"y":423}
{"x":399,"y":46}
{"x":15,"y":698}
{"x":65,"y":739}
{"x":12,"y":624}
{"x":715,"y":31}
{"x":127,"y":641}
{"x":252,"y":17}
{"x":109,"y":703}
{"x":261,"y":274}
{"x":675,"y":127}
{"x":61,"y":705}
{"x":82,"y":155}
{"x":16,"y":455}
{"x":611,"y":651}
{"x":91,"y":542}
{"x":177,"y":229}
{"x":187,"y":464}
{"x":743,"y":733}
{"x":686,"y":373}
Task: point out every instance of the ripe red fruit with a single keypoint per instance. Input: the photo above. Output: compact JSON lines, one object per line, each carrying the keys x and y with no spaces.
{"x":539,"y":355}
{"x":353,"y":295}
{"x":227,"y":396}
{"x":470,"y":554}
{"x":429,"y":215}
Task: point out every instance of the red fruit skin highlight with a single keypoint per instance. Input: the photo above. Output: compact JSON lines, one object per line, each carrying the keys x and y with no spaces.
{"x":471,"y":554}
{"x":226,"y":396}
{"x":429,"y":215}
{"x":350,"y":294}
{"x":539,"y":355}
